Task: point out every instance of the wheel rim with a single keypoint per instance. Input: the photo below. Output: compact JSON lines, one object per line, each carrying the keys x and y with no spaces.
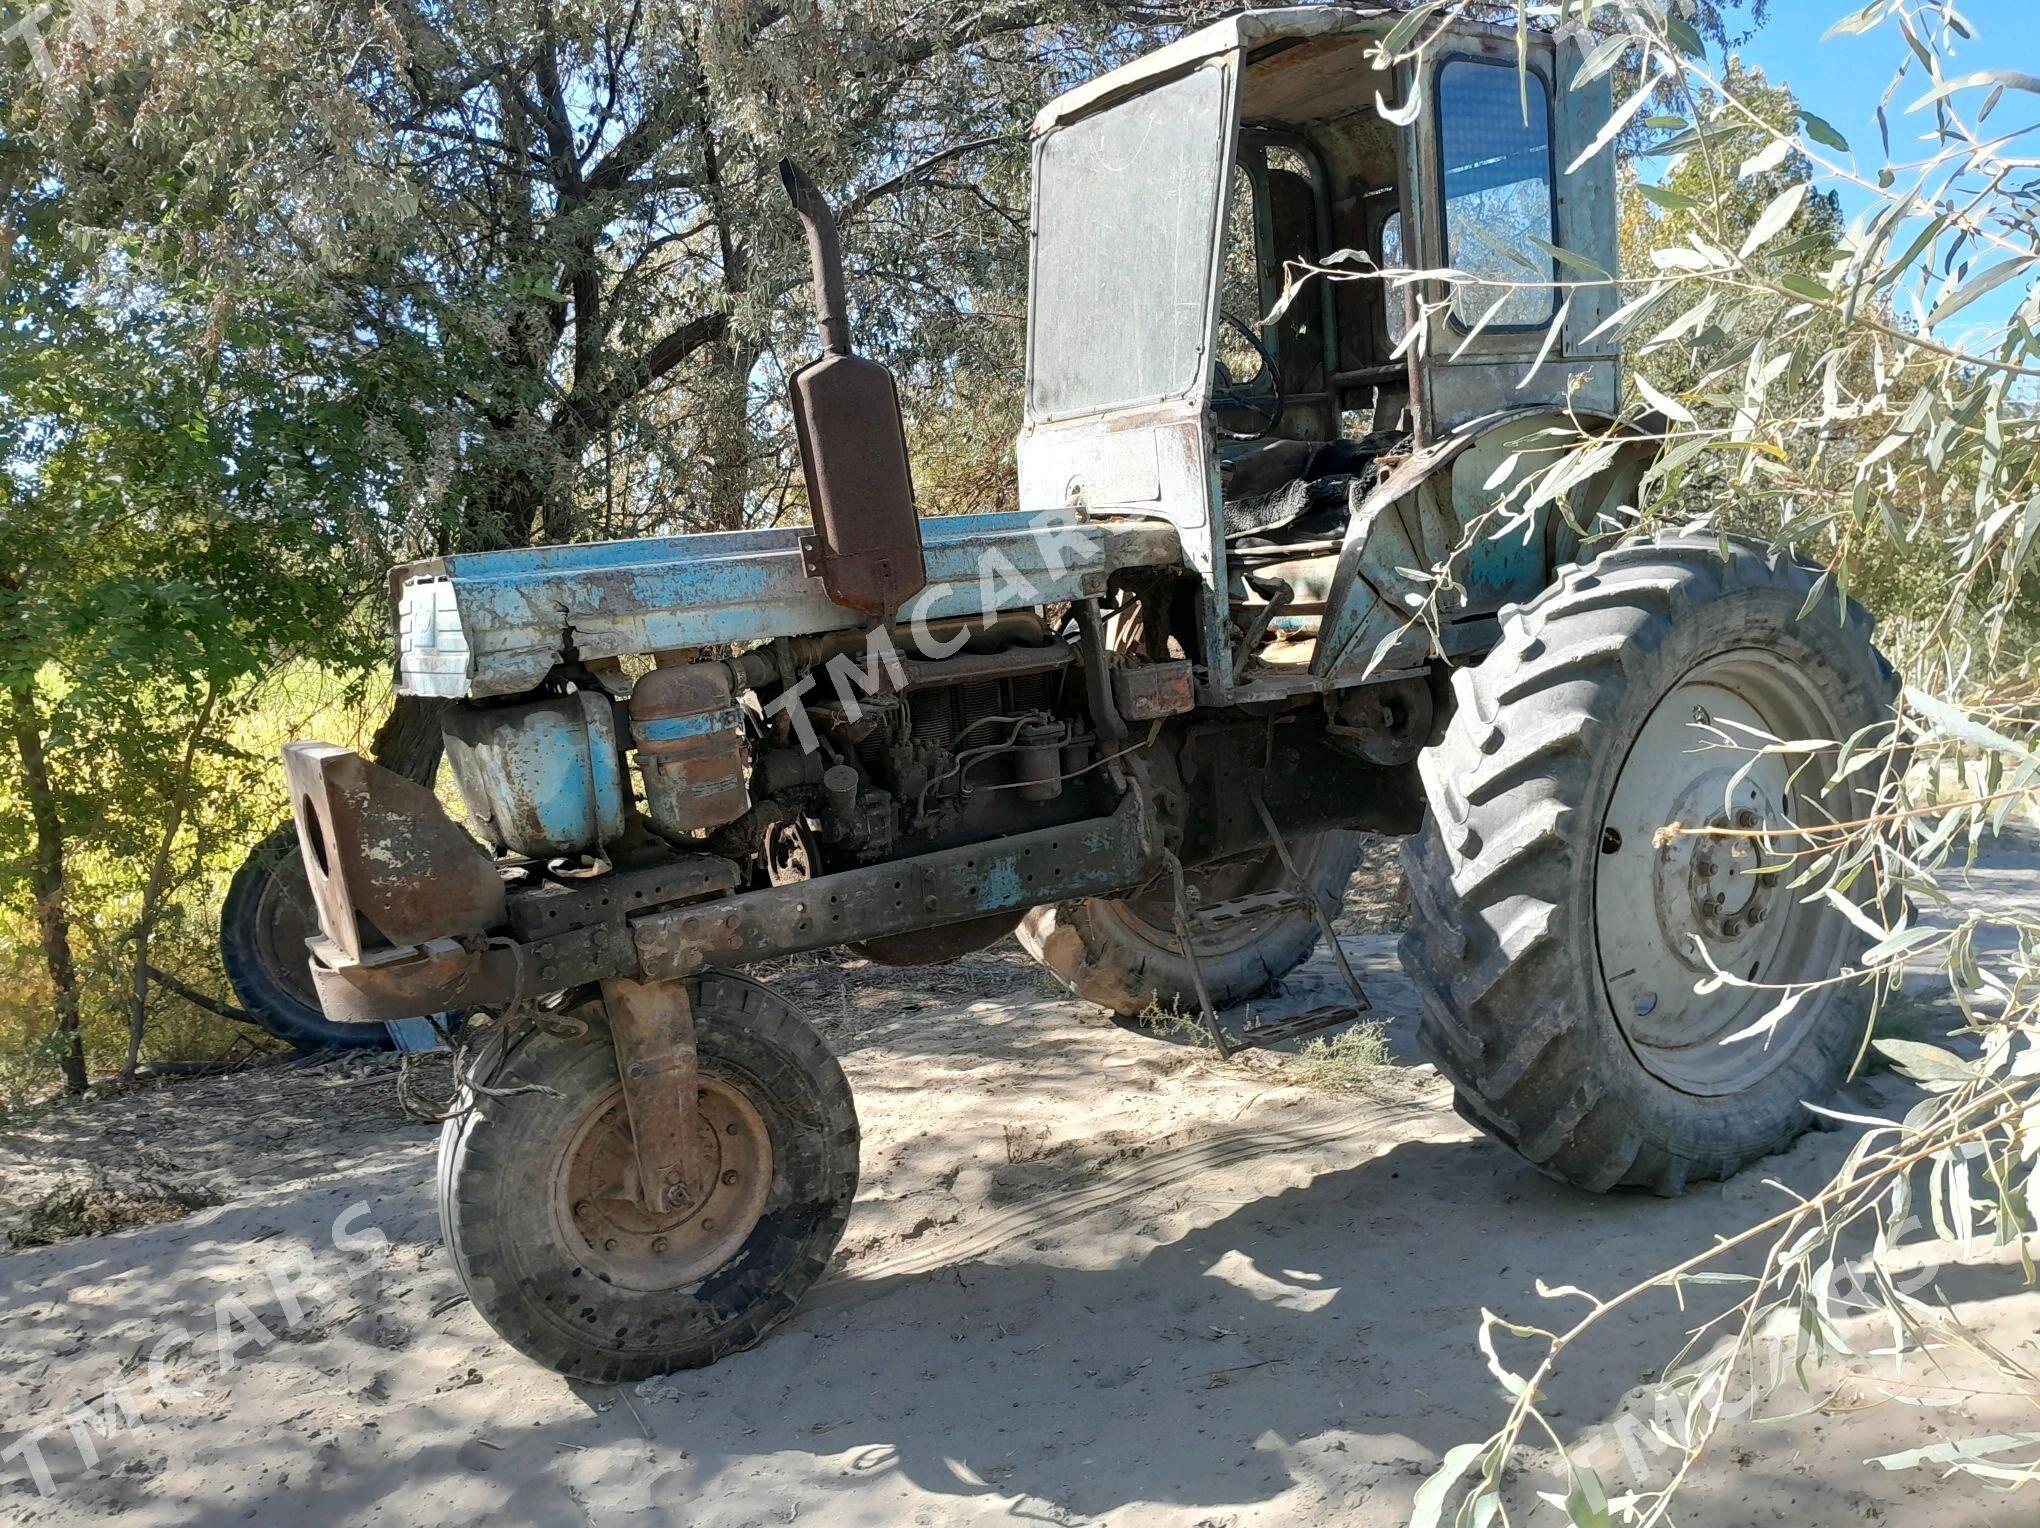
{"x":1660,"y":901}
{"x":617,"y":1239}
{"x":285,"y":917}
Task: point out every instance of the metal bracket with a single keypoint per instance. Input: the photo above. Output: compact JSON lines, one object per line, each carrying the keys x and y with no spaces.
{"x":1310,"y":899}
{"x":651,"y":1024}
{"x":1219,"y":1041}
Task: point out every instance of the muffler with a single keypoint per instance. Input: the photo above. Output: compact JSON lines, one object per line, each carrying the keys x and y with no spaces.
{"x":866,"y":546}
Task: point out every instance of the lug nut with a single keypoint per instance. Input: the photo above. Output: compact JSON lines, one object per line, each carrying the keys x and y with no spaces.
{"x":583,"y":1210}
{"x":610,"y":1245}
{"x":659,"y":1244}
{"x":729,"y":1178}
{"x":732,"y":1128}
{"x":1746,"y":819}
{"x":1703,"y":868}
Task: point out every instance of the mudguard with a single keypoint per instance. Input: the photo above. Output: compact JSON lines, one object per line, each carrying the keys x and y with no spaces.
{"x":1417,"y":518}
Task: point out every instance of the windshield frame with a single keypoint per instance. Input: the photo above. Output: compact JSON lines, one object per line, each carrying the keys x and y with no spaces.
{"x":1196,"y":385}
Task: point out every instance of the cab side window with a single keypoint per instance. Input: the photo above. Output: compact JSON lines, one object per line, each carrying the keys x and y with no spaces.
{"x":1497,"y":173}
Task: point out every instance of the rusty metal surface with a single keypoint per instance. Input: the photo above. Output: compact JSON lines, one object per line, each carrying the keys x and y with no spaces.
{"x":970,"y":668}
{"x":550,"y":907}
{"x":651,"y":1024}
{"x":449,"y":975}
{"x":1155,"y":690}
{"x":382,"y":857}
{"x":853,"y":443}
{"x":1086,"y":859}
{"x":689,"y":732}
{"x":616,"y":1238}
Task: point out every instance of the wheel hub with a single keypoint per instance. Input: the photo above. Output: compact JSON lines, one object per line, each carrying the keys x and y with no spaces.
{"x":622,"y":1242}
{"x":1673,"y":909}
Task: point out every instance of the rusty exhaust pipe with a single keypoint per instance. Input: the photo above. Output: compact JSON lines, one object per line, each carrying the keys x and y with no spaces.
{"x":866,"y":546}
{"x":825,"y":254}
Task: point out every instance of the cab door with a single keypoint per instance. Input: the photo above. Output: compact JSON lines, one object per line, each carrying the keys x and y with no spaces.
{"x":1494,"y":196}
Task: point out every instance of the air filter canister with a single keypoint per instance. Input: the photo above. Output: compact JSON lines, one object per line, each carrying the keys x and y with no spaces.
{"x":689,"y":732}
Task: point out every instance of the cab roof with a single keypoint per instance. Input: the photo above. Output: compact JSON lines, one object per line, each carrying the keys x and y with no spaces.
{"x":1240,"y":34}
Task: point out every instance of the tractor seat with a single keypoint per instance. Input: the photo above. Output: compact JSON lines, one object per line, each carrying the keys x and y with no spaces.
{"x":1279,"y":492}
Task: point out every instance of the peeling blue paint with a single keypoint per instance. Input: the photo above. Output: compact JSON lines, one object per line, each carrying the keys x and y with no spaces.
{"x":1000,"y":887}
{"x":489,"y":623}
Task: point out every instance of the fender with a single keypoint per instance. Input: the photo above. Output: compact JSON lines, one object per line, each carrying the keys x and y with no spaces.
{"x":1416,"y":517}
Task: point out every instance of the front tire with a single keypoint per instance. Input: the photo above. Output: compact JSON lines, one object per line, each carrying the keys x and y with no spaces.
{"x":1558,"y":938}
{"x":1121,"y":952}
{"x":264,"y":923}
{"x":558,"y":1256}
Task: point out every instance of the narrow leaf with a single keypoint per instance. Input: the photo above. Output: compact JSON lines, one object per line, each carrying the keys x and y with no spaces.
{"x":1978,"y":286}
{"x":1772,"y":220}
{"x":2003,"y":78}
{"x":1822,"y":131}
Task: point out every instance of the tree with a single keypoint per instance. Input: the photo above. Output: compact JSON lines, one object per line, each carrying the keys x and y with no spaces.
{"x":554,"y":228}
{"x":158,"y":550}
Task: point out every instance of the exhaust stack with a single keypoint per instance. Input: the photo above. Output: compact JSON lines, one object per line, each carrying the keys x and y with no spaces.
{"x":866,"y":547}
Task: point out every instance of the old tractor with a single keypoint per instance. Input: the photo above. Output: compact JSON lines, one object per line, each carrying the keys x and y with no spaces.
{"x":1139,"y":721}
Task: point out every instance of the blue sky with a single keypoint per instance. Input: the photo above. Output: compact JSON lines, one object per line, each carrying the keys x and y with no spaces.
{"x":1843,"y":78}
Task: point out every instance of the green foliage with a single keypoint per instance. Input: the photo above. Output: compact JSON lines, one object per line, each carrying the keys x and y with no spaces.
{"x":1348,"y":1059}
{"x":164,"y":543}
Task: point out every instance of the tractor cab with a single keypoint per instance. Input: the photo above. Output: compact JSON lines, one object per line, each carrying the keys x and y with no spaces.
{"x":1183,"y":360}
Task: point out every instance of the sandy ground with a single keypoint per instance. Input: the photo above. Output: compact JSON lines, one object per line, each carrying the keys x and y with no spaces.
{"x":1092,"y":1277}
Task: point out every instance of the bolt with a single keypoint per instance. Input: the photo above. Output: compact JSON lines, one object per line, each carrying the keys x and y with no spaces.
{"x":729,"y":1178}
{"x":1746,"y":819}
{"x":659,"y":1244}
{"x":732,"y":1127}
{"x":1730,"y":929}
{"x":1703,"y":868}
{"x":583,"y":1210}
{"x":610,"y":1245}
{"x":708,"y":1225}
{"x":1753,"y":914}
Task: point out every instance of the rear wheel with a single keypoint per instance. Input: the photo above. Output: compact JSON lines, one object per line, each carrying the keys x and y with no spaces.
{"x":554,"y":1248}
{"x":1121,"y":952}
{"x":1560,"y":938}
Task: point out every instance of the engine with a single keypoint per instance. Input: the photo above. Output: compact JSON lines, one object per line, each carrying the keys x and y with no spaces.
{"x":794,"y":758}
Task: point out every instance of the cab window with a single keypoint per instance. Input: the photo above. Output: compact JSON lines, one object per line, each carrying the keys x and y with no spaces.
{"x":1497,"y":173}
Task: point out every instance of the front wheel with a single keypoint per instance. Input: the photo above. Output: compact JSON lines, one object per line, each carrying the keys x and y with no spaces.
{"x":1563,"y":940}
{"x":552,"y":1245}
{"x":1122,"y":953}
{"x":264,"y":923}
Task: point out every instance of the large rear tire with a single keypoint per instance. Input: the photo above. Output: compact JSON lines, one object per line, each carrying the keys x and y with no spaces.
{"x":1121,"y":952}
{"x":556,"y":1252}
{"x":1557,"y":940}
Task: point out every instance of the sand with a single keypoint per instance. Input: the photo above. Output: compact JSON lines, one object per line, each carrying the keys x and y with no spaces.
{"x":1092,"y":1277}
